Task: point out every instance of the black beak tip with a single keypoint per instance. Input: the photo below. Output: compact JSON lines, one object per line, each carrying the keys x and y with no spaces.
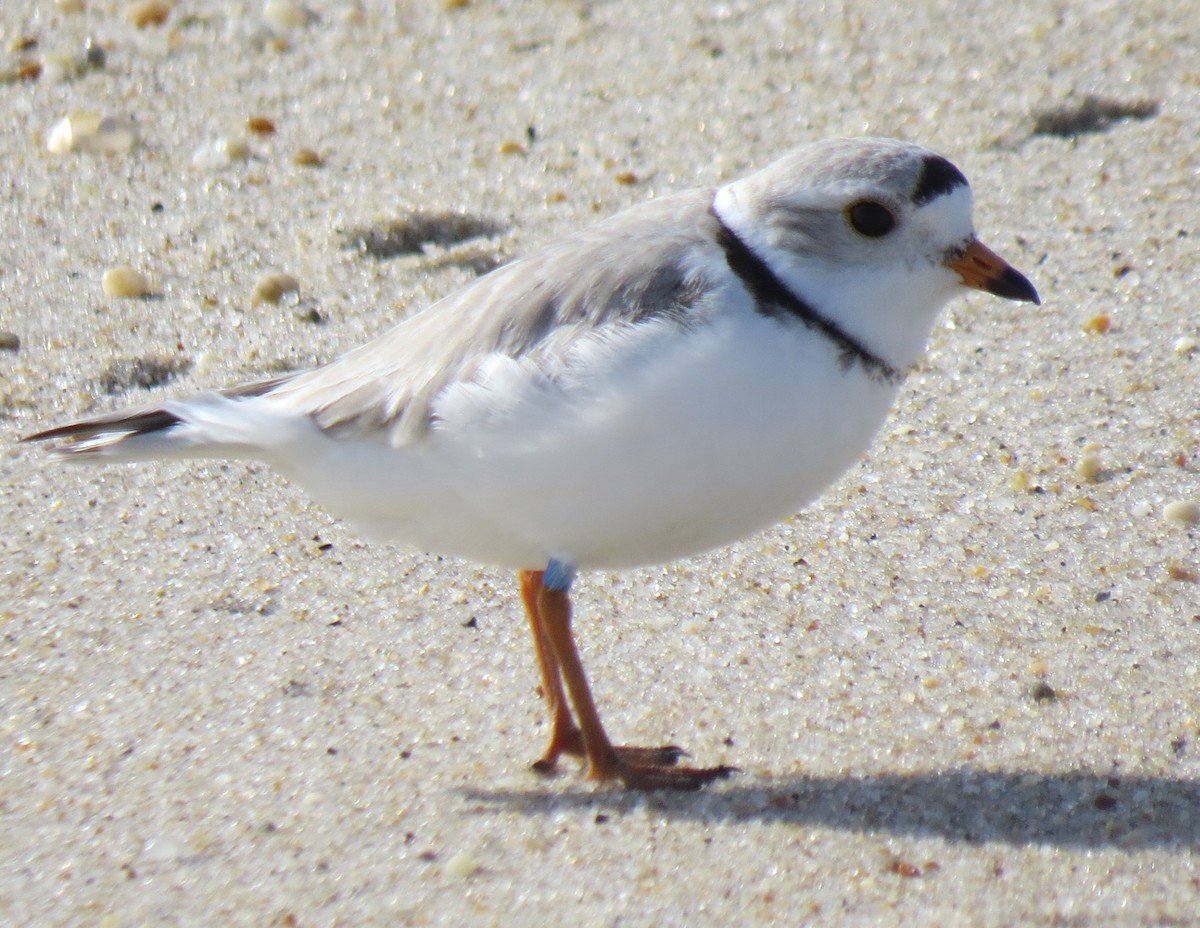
{"x":1013,"y":285}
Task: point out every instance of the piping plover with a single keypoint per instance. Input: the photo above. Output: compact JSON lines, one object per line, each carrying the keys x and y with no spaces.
{"x":687,"y":372}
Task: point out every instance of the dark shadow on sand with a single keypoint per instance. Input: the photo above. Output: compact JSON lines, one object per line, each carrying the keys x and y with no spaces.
{"x":1083,"y":810}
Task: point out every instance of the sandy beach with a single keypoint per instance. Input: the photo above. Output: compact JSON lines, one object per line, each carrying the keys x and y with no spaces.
{"x":961,"y":690}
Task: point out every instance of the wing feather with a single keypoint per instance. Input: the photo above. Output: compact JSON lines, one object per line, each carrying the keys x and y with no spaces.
{"x":644,"y":264}
{"x":637,"y":266}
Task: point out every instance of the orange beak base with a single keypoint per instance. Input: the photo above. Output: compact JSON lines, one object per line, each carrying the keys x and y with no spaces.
{"x":982,"y":269}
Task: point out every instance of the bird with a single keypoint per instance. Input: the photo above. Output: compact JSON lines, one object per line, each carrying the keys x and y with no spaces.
{"x":669,"y":380}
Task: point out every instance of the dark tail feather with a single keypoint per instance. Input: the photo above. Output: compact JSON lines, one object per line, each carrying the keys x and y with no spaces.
{"x":142,"y":420}
{"x":139,"y":421}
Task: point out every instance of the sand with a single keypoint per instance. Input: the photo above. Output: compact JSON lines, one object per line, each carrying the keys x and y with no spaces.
{"x":961,"y":689}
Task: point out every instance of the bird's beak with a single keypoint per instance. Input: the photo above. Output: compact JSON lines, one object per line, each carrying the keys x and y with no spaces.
{"x":982,"y":269}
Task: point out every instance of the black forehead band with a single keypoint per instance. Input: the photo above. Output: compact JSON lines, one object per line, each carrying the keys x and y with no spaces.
{"x":938,"y":176}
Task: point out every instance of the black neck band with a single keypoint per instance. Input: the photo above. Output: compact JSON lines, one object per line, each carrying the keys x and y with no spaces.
{"x":773,"y":298}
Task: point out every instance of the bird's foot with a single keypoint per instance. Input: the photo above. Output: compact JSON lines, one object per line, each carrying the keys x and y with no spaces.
{"x":676,"y":778}
{"x":639,"y":768}
{"x":571,"y":742}
{"x":635,"y":767}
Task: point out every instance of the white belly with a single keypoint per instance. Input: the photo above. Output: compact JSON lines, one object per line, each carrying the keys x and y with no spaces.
{"x":689,"y":441}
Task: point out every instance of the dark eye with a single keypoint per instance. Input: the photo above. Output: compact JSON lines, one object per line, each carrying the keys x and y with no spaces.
{"x":874,"y":220}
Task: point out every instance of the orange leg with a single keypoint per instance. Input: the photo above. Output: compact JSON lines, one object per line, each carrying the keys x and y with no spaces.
{"x":565,"y":736}
{"x":549,"y":612}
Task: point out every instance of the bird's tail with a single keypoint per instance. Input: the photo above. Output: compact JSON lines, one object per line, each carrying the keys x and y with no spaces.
{"x":232,"y":423}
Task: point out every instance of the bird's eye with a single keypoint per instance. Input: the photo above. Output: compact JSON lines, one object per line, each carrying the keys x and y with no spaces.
{"x":874,"y":220}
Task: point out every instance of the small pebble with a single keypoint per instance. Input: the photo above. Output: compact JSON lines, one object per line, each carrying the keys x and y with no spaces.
{"x":147,"y":13}
{"x":62,"y":136}
{"x":124,"y":282}
{"x":1142,"y":509}
{"x":284,"y":14}
{"x":272,"y":287}
{"x":220,"y":153}
{"x":58,"y":68}
{"x":306,"y":157}
{"x":260,"y":125}
{"x":92,"y":132}
{"x":93,"y":57}
{"x":1088,"y":467}
{"x":1184,"y":512}
{"x":1041,"y":691}
{"x":235,"y":149}
{"x":10,"y":341}
{"x":461,"y":865}
{"x":160,"y":849}
{"x":512,"y":148}
{"x":1097,"y":325}
{"x":626,"y":178}
{"x":1186,"y":345}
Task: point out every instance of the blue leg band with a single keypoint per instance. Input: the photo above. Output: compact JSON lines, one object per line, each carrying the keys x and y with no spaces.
{"x":558,"y":576}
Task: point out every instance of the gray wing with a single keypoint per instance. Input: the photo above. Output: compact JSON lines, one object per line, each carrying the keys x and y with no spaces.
{"x":641,"y":264}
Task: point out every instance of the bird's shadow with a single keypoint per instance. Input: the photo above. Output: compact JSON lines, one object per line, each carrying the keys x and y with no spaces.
{"x":1078,"y":809}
